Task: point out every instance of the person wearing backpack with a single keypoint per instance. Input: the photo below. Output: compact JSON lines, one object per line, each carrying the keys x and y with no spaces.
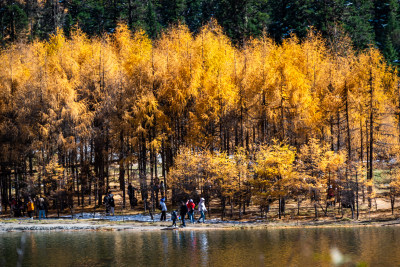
{"x":42,"y":208}
{"x":106,"y":202}
{"x":190,"y":205}
{"x":174,"y":216}
{"x":163,"y":207}
{"x":183,"y":212}
{"x":202,"y":210}
{"x":111,"y":202}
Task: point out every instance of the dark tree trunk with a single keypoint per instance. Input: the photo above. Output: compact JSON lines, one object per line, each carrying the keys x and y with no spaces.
{"x":122,"y":168}
{"x":130,"y":20}
{"x":338,"y":131}
{"x":371,"y":138}
{"x":348,"y":125}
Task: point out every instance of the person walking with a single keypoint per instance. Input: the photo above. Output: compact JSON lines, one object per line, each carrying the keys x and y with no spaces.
{"x":111,"y":202}
{"x":163,"y":210}
{"x":42,"y":208}
{"x":183,"y":212}
{"x":106,"y":202}
{"x":30,"y":208}
{"x":190,"y":205}
{"x":174,"y":216}
{"x":202,"y":210}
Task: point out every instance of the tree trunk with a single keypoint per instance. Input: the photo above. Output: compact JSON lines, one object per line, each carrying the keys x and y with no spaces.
{"x":349,"y":159}
{"x":392,"y":201}
{"x":122,"y":169}
{"x":163,"y":169}
{"x":357,"y":194}
{"x":371,"y":138}
{"x":298,"y":207}
{"x":279,"y":208}
{"x":130,"y":19}
{"x":316,"y":210}
{"x":338,"y":131}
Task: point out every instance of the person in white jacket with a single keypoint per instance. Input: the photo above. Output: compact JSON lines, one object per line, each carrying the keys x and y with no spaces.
{"x":163,"y":210}
{"x":202,"y":209}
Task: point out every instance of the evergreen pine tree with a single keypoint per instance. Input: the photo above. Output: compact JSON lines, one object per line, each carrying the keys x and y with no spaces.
{"x":172,"y":11}
{"x":153,"y":26}
{"x":194,"y":15}
{"x":289,"y":17}
{"x":13,"y":20}
{"x":358,"y":18}
{"x":241,"y":19}
{"x":387,"y":28}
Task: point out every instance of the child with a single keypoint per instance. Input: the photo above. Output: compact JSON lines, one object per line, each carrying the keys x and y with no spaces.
{"x":174,"y":216}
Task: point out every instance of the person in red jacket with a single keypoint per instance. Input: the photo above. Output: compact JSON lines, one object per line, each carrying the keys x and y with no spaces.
{"x":190,"y":205}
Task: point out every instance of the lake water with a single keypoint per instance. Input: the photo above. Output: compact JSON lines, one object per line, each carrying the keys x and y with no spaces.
{"x":374,"y":246}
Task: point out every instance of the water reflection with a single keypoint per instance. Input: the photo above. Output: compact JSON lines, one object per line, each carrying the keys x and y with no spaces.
{"x":279,"y":247}
{"x":203,"y":247}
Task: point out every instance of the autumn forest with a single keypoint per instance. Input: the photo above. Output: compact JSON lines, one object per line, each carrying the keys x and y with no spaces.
{"x":261,"y":123}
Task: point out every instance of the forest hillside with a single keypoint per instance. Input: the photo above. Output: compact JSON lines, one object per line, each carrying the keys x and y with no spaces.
{"x":240,"y":105}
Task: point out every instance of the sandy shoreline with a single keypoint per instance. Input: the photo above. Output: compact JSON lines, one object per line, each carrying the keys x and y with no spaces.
{"x":104,"y":225}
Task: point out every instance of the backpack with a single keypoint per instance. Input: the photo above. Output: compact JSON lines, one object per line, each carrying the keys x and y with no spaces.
{"x":191,"y":207}
{"x":106,"y":200}
{"x":174,"y":215}
{"x":111,"y":201}
{"x":42,"y":205}
{"x":134,"y":201}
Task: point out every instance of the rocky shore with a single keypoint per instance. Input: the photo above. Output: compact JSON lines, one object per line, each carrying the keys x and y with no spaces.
{"x":113,"y":224}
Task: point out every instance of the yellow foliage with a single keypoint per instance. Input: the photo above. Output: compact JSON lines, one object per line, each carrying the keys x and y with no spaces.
{"x":202,"y":92}
{"x":276,"y":175}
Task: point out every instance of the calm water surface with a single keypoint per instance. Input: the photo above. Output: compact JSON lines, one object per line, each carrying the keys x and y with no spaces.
{"x":376,"y":246}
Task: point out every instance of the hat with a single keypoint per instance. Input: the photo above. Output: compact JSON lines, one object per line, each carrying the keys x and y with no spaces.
{"x":191,"y":200}
{"x":202,"y":199}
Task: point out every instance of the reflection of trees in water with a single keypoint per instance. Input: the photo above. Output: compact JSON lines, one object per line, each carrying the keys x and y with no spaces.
{"x":21,"y":250}
{"x":204,"y":247}
{"x":377,"y":246}
{"x":165,"y":246}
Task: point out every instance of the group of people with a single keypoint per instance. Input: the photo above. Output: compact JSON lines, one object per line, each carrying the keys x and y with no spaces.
{"x":37,"y":207}
{"x":187,"y":208}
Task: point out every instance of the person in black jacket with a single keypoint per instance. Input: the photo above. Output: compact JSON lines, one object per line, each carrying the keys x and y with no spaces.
{"x":183,"y":212}
{"x":106,"y":202}
{"x":174,"y":215}
{"x":112,"y":203}
{"x":42,"y":208}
